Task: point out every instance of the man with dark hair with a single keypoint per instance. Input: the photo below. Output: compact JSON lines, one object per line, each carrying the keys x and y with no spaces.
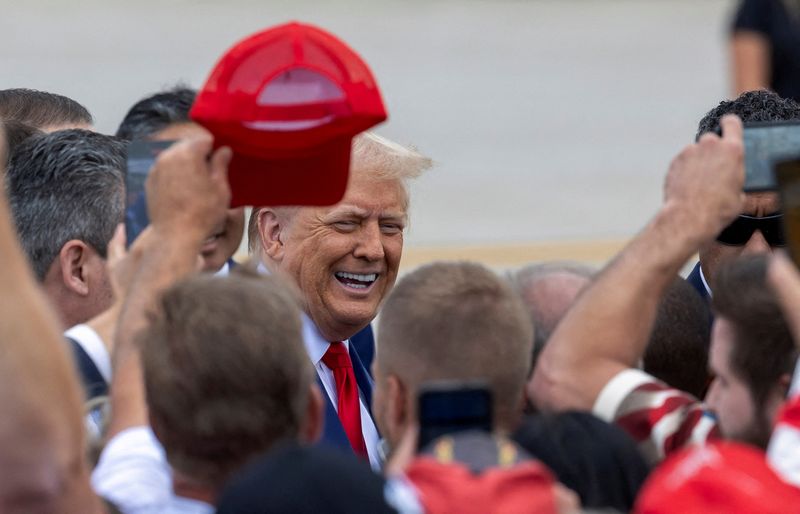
{"x":590,"y":362}
{"x":165,"y":117}
{"x":752,"y":353}
{"x":151,"y":115}
{"x":757,"y":229}
{"x":47,"y":112}
{"x":66,"y":193}
{"x":677,"y":352}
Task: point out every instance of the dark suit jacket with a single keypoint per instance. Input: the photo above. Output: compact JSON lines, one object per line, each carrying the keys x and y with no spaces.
{"x":334,"y":434}
{"x":697,"y":282}
{"x":364,"y":342}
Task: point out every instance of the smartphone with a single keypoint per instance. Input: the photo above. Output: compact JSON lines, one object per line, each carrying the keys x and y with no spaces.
{"x":787,"y":176}
{"x":764,"y":144}
{"x":450,"y":407}
{"x":141,"y":157}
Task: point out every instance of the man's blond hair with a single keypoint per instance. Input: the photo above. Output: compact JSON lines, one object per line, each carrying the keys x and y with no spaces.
{"x":457,"y":321}
{"x":226,"y":372}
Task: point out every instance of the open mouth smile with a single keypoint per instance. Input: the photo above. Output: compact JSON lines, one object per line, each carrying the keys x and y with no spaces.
{"x":356,"y":280}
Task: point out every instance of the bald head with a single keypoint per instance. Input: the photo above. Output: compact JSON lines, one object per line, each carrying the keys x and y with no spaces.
{"x":548,"y":290}
{"x":457,"y":321}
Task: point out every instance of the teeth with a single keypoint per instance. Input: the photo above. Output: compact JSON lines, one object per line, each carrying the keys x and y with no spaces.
{"x":372,"y":277}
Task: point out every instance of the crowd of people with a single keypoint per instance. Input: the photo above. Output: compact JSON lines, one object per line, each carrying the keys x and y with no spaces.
{"x":160,"y":375}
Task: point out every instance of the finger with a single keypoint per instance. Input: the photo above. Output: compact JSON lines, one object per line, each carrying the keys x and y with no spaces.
{"x":784,"y":279}
{"x":220,"y":161}
{"x":116,"y":247}
{"x":732,"y":129}
{"x":201,"y":143}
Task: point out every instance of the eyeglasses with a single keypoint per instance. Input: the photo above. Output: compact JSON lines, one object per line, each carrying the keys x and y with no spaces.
{"x":739,"y":232}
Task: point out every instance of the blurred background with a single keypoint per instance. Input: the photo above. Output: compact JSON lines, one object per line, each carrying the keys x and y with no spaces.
{"x":551,"y":122}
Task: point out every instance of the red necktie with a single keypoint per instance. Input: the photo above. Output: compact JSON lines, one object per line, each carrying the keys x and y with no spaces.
{"x":349,"y":407}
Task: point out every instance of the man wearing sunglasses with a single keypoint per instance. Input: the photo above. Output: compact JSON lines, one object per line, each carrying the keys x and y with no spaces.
{"x":758,"y":227}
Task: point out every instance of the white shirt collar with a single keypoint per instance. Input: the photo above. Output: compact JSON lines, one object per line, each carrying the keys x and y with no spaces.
{"x":316,"y":345}
{"x":224,"y":270}
{"x":705,"y":284}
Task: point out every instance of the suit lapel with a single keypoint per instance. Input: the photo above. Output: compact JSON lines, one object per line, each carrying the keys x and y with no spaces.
{"x":334,"y":433}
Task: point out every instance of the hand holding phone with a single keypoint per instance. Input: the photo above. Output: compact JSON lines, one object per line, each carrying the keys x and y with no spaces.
{"x":141,"y":157}
{"x":764,"y":144}
{"x":787,"y":175}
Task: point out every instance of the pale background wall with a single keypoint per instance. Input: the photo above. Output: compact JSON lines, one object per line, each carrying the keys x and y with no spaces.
{"x":552,"y":121}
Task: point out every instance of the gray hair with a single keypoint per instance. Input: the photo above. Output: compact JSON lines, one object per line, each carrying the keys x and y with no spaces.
{"x":62,"y":186}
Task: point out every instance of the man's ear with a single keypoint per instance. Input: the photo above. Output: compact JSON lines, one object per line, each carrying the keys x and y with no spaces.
{"x":399,"y":403}
{"x":311,"y":430}
{"x":73,"y":259}
{"x":270,"y":231}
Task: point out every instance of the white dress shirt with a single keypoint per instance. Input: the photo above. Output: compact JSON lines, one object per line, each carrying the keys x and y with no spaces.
{"x":134,"y":475}
{"x":705,"y":284}
{"x":316,"y":346}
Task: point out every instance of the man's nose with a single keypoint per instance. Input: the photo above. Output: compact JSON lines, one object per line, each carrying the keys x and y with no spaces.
{"x":756,"y":244}
{"x":370,"y":243}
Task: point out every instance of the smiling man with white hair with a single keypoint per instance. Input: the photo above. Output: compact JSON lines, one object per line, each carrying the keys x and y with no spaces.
{"x":344,"y":260}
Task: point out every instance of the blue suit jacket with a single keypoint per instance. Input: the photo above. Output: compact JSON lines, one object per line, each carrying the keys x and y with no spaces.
{"x":364,"y":342}
{"x":334,"y":434}
{"x":697,"y":282}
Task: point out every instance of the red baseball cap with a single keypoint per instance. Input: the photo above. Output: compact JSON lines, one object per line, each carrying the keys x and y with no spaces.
{"x":719,"y":478}
{"x":288,"y":101}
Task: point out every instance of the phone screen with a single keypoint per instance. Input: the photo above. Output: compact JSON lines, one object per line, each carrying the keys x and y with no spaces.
{"x":448,"y":409}
{"x":141,"y":156}
{"x":764,"y":144}
{"x":787,"y":174}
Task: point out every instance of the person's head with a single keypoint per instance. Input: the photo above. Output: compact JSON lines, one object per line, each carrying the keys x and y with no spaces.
{"x":753,"y":106}
{"x":450,"y":322}
{"x":597,"y":460}
{"x":677,"y":352}
{"x":66,"y":193}
{"x":226,"y":374}
{"x":548,"y":290}
{"x":305,"y":480}
{"x":47,"y":112}
{"x":165,"y":117}
{"x":14,"y":133}
{"x":752,"y":354}
{"x":344,"y":258}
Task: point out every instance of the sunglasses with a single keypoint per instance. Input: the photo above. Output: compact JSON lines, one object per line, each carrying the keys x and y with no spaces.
{"x":739,"y":232}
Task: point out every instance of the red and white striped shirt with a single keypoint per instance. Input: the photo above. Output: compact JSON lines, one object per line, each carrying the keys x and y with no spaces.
{"x":660,"y":419}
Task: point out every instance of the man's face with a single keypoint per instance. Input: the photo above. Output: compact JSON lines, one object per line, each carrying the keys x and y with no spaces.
{"x":224,"y":240}
{"x":714,"y":254}
{"x":729,"y":396}
{"x":345,"y":258}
